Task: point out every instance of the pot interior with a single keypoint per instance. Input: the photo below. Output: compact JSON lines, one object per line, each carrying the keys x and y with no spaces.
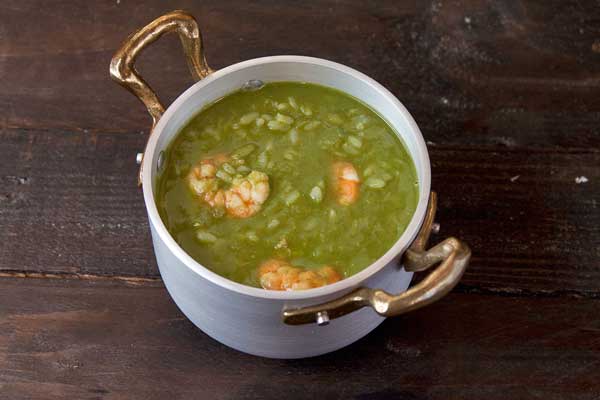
{"x":300,"y":69}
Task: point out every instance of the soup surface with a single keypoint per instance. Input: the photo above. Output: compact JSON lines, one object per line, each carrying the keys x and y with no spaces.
{"x":288,"y":186}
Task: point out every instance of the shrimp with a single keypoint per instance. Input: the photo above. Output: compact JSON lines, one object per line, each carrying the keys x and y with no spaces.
{"x":346,"y":182}
{"x":276,"y":274}
{"x":242,"y":200}
{"x":202,"y":179}
{"x":246,"y":195}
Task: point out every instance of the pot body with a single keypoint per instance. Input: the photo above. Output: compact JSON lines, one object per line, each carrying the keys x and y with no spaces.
{"x":253,"y":324}
{"x":249,"y":319}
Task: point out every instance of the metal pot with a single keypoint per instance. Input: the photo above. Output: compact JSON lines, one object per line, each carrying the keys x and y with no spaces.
{"x":272,"y":323}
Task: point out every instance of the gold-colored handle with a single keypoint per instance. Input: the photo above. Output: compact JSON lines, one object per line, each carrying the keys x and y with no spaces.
{"x":122,"y":65}
{"x":452,"y":255}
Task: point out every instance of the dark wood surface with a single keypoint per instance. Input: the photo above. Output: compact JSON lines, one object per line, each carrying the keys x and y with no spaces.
{"x":507,"y":96}
{"x":92,"y":339}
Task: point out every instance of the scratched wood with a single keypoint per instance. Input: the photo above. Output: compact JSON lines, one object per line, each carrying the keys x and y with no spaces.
{"x":88,"y":340}
{"x":506,"y":94}
{"x":71,"y":200}
{"x":507,"y":73}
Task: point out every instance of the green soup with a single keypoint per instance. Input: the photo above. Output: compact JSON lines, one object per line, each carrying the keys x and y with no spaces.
{"x":295,"y":135}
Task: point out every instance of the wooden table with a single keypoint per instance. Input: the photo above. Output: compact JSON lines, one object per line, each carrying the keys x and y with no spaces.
{"x":507,"y":95}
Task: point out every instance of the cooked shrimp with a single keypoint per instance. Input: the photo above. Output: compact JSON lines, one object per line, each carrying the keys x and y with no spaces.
{"x":242,"y":200}
{"x":246,"y":195}
{"x":202,"y":178}
{"x":346,"y":182}
{"x":278,"y":274}
{"x":215,"y":199}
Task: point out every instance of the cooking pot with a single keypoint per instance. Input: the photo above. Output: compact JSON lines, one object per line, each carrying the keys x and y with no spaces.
{"x":285,"y":324}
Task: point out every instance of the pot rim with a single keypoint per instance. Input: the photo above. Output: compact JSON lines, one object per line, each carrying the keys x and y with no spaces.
{"x":348,"y":283}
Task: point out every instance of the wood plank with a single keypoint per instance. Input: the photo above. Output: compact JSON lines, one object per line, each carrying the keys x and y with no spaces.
{"x":69,"y":204}
{"x":86,"y":339}
{"x":509,"y":73}
{"x":538,"y":234}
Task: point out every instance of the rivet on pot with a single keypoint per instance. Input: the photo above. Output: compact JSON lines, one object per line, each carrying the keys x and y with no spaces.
{"x":160,"y":162}
{"x":435,"y":227}
{"x":253,"y":84}
{"x":138,"y":158}
{"x":322,"y":318}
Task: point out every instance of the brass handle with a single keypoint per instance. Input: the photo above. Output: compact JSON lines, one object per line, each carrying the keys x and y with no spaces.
{"x":451,"y":254}
{"x":122,"y":65}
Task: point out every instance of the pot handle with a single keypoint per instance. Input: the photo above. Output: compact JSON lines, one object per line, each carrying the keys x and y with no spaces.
{"x":452,"y":255}
{"x":122,"y":65}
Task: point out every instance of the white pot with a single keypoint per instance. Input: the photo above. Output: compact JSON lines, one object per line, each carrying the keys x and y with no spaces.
{"x":250,"y":319}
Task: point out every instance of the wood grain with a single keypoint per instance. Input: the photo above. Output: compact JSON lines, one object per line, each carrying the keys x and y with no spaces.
{"x":506,"y":94}
{"x":69,"y":204}
{"x":107,"y":340}
{"x":484,"y":72}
